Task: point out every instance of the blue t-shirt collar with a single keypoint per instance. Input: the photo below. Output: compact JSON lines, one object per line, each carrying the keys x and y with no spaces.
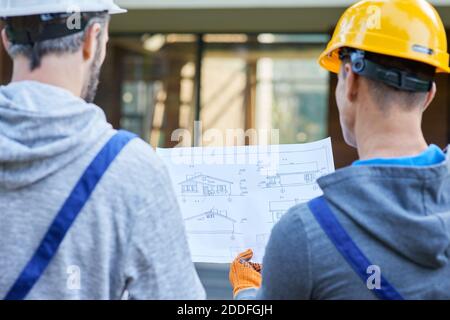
{"x":432,"y":156}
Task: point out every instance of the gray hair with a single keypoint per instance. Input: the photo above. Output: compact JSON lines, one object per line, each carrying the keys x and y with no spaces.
{"x":59,"y":46}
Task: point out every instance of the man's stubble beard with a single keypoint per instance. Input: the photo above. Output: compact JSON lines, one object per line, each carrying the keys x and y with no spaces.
{"x":90,"y":88}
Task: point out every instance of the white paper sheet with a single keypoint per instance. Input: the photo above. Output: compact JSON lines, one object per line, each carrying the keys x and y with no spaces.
{"x":231,"y":197}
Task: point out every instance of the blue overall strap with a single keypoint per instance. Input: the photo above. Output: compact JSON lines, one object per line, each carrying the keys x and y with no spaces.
{"x":348,"y":248}
{"x":67,"y":215}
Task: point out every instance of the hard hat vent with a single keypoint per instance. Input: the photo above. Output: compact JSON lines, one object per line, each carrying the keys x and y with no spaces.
{"x":422,"y":49}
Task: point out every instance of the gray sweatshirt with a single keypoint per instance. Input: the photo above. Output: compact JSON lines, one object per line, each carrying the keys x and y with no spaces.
{"x":399,"y":216}
{"x":129,"y":238}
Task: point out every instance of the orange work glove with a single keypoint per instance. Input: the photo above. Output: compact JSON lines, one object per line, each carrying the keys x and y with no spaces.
{"x":245,"y":274}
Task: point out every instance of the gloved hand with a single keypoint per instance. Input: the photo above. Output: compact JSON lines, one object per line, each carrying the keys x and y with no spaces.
{"x":245,"y":274}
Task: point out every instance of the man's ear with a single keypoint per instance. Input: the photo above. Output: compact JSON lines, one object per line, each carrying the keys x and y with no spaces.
{"x":430,"y":96}
{"x":352,"y":82}
{"x":5,"y":40}
{"x":90,"y":41}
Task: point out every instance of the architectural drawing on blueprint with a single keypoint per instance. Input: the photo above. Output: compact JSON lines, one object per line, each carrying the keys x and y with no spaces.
{"x":257,"y":245}
{"x":278,"y":208}
{"x":291,"y":176}
{"x":203,"y":185}
{"x":210,"y":222}
{"x":232,"y":197}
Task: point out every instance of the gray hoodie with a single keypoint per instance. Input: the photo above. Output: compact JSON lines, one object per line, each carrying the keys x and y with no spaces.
{"x":128,"y":238}
{"x":399,"y":216}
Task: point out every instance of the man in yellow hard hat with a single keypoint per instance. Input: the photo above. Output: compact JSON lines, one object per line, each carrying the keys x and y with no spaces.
{"x":382,"y":228}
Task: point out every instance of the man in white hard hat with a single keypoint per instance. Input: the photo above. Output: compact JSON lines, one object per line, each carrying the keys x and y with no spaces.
{"x":86,"y":212}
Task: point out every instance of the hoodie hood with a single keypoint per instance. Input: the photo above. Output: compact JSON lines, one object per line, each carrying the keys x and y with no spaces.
{"x":42,"y":129}
{"x":407,"y":209}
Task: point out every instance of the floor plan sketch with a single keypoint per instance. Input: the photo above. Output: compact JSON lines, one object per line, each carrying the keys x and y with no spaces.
{"x":210,"y":222}
{"x":278,"y":208}
{"x":243,"y":187}
{"x":232,"y":197}
{"x":287,"y":176}
{"x":292,"y":179}
{"x":262,"y":238}
{"x":257,"y":244}
{"x":204,"y":185}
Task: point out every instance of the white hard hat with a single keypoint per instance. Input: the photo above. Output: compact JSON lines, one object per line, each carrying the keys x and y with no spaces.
{"x":15,"y":8}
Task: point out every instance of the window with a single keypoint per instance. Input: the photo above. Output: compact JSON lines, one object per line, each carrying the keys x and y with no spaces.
{"x":265,"y":81}
{"x":245,"y":81}
{"x":189,"y":188}
{"x":221,"y":189}
{"x":157,"y":84}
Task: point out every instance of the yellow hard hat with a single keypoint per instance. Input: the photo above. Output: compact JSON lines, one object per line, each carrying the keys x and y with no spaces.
{"x":408,"y":29}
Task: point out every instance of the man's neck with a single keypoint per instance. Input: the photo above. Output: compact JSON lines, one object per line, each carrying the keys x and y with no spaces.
{"x":396,"y":135}
{"x":53,"y":71}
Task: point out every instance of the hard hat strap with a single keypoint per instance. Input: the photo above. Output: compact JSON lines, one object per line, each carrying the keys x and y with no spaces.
{"x":33,"y":29}
{"x":395,"y":78}
{"x":390,"y":76}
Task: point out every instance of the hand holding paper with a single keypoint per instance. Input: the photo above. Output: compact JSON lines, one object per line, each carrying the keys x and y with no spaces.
{"x":245,"y":274}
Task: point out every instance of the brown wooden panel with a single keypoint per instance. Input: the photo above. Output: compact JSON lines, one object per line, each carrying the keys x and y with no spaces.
{"x":109,"y":91}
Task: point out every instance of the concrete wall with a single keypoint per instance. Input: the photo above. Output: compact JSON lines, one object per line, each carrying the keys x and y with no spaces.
{"x":238,"y":19}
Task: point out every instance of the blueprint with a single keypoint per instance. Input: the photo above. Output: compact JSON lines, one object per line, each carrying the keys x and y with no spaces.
{"x":232,"y":197}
